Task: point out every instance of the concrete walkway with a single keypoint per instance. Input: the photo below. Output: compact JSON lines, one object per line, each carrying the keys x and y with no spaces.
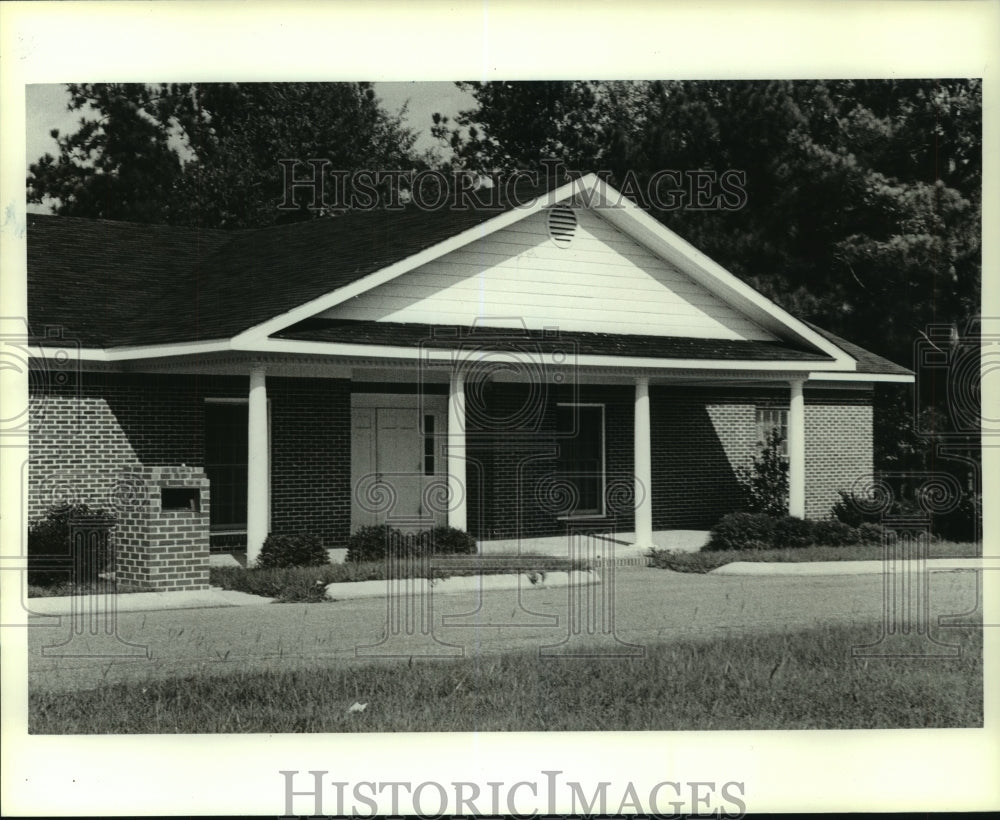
{"x":847,"y":567}
{"x":144,"y":601}
{"x":620,"y":545}
{"x":216,"y":597}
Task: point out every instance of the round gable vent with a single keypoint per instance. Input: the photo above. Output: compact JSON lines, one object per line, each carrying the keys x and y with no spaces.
{"x":562,"y":225}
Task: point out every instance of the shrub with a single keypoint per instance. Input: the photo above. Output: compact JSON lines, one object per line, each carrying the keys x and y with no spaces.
{"x":450,"y":541}
{"x":742,"y":531}
{"x":368,"y":543}
{"x":299,"y":550}
{"x":757,"y":531}
{"x":833,"y":533}
{"x":869,"y":533}
{"x":792,"y":533}
{"x":50,"y":557}
{"x":849,"y":510}
{"x":765,"y":482}
{"x":855,"y":511}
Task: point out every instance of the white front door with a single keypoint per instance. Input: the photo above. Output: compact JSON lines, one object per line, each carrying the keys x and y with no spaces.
{"x":389,"y":465}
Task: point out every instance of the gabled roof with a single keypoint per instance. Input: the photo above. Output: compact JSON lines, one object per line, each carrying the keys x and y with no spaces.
{"x":114,"y":285}
{"x":118,"y":283}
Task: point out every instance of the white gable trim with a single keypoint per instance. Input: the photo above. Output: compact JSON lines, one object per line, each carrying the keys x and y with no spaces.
{"x":436,"y":354}
{"x":897,"y":378}
{"x":618,"y":211}
{"x":635,"y":222}
{"x":129,"y":352}
{"x":380,"y":277}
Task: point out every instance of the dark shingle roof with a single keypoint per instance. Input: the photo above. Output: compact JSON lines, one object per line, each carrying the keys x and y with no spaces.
{"x":488,"y":338}
{"x":111,"y":284}
{"x":115,"y":283}
{"x":868,"y":362}
{"x":119,"y":283}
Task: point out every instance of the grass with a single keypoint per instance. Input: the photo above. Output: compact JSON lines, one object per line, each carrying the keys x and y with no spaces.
{"x":308,"y":584}
{"x":707,"y":560}
{"x":794,"y":680}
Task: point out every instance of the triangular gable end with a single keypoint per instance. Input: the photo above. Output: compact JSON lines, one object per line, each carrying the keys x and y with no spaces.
{"x":736,"y":311}
{"x":558,"y":268}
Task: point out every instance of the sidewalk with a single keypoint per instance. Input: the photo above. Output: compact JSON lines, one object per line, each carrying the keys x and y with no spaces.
{"x":845,"y":567}
{"x":215,"y":597}
{"x":145,"y":601}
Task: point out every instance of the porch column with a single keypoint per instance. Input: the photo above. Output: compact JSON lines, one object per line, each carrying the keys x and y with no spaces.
{"x":456,"y":451}
{"x":797,"y":451}
{"x":643,"y":467}
{"x":258,"y":477}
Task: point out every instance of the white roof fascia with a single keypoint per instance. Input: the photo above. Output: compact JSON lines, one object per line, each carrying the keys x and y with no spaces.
{"x":898,"y":378}
{"x":584,"y":360}
{"x":634,"y":221}
{"x":121,"y":354}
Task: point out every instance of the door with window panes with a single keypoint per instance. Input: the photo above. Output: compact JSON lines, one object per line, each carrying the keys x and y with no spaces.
{"x":581,"y":455}
{"x":226,"y":466}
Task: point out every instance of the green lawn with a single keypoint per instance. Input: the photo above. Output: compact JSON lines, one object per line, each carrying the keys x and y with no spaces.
{"x":795,"y":680}
{"x":707,"y":560}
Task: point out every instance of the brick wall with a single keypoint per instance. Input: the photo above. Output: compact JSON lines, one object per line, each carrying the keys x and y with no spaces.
{"x":311,"y":457}
{"x":838,"y":445}
{"x":84,"y":436}
{"x":85,"y":433}
{"x":698,"y":438}
{"x":156,"y":547}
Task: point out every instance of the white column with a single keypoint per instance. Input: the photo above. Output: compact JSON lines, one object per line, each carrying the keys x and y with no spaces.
{"x":456,"y":451}
{"x":643,"y":467}
{"x":796,"y":452}
{"x":258,"y":472}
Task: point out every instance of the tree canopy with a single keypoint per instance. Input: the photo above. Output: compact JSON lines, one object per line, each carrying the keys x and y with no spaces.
{"x":208,"y":153}
{"x":861,"y":196}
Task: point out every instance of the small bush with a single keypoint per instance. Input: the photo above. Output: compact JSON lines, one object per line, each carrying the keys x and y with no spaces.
{"x":849,"y":510}
{"x":369,"y":543}
{"x":758,"y":531}
{"x":742,"y":531}
{"x":300,"y":550}
{"x":870,"y":533}
{"x":834,"y":533}
{"x":765,"y":482}
{"x":449,"y":541}
{"x":793,"y":533}
{"x":51,"y":558}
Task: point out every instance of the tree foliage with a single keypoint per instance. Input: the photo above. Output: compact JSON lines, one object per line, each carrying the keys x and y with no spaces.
{"x":862,"y":197}
{"x":208,"y":153}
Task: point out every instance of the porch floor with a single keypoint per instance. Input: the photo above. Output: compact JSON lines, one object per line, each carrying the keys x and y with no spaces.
{"x":622,"y":546}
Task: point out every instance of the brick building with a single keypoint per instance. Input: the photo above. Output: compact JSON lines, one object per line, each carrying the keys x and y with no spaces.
{"x":516,"y":369}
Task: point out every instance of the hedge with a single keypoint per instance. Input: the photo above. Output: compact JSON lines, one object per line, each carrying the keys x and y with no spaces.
{"x":757,"y":531}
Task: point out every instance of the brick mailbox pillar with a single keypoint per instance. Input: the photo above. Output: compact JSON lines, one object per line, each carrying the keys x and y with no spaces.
{"x":162,"y":536}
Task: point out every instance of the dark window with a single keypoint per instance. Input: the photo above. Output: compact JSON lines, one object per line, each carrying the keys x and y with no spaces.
{"x":226,"y":464}
{"x":180,"y":498}
{"x":428,"y":445}
{"x":581,"y":454}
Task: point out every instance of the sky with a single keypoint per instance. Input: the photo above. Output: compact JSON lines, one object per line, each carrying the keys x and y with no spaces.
{"x":47,"y":109}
